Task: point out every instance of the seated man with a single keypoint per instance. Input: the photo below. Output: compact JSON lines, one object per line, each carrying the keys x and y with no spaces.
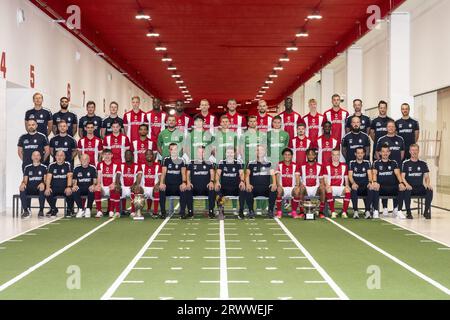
{"x":359,"y":176}
{"x":386,"y":182}
{"x":200,"y":182}
{"x":130,"y":177}
{"x":84,"y":182}
{"x":261,"y":181}
{"x":173,"y":181}
{"x":59,"y":183}
{"x":230,"y":180}
{"x":312,"y":181}
{"x":288,"y":174}
{"x":151,"y":175}
{"x":33,"y":184}
{"x":108,"y":185}
{"x":336,"y":183}
{"x":416,"y":178}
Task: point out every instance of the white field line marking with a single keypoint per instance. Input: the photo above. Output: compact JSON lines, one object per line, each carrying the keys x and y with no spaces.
{"x":412,"y":235}
{"x":414,"y":231}
{"x":290,"y":248}
{"x":234,"y":248}
{"x":165,"y":298}
{"x":2,"y":248}
{"x":313,"y":261}
{"x":314,"y":281}
{"x":284,"y":298}
{"x":44,"y":228}
{"x":108,"y":294}
{"x":171,"y":281}
{"x":223,"y":263}
{"x":51,"y":257}
{"x":176,"y":268}
{"x":284,"y":240}
{"x":24,"y":232}
{"x":271,"y":268}
{"x":238,"y":281}
{"x":133,"y":281}
{"x":14,"y":240}
{"x":30,"y":234}
{"x":210,"y":268}
{"x":155,"y":248}
{"x":160,"y":240}
{"x":150,"y":257}
{"x":237,"y":268}
{"x":165,"y":234}
{"x":395,"y":259}
{"x":212,"y":240}
{"x":305,"y":268}
{"x":276,"y":281}
{"x":298,"y":257}
{"x":443,"y":249}
{"x":427,"y":241}
{"x":143,"y":268}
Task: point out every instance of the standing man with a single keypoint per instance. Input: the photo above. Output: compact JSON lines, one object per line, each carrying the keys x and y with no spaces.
{"x":196,"y":138}
{"x":395,"y":143}
{"x":90,"y":144}
{"x":90,"y":117}
{"x":133,"y":119}
{"x":325,"y":145}
{"x":238,"y":123}
{"x":378,"y":126}
{"x":84,"y":182}
{"x":113,"y":117}
{"x":250,"y":140}
{"x":182,"y":120}
{"x":365,"y":120}
{"x":408,"y":129}
{"x":224,"y":139}
{"x":289,"y":119}
{"x":288,"y":174}
{"x":336,"y":184}
{"x":210,"y":124}
{"x":42,"y":116}
{"x":313,"y":121}
{"x":156,"y":120}
{"x":337,"y":116}
{"x":300,"y":145}
{"x":142,"y":144}
{"x":277,"y":141}
{"x":353,"y":140}
{"x":263,"y":119}
{"x":70,"y":118}
{"x":168,"y":136}
{"x":117,"y":142}
{"x":64,"y":142}
{"x":30,"y":142}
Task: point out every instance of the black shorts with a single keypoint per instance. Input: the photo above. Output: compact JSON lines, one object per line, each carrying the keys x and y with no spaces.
{"x":388,"y":190}
{"x":261,"y":191}
{"x":200,"y":192}
{"x":230,"y":192}
{"x":172,"y":190}
{"x":362,"y":191}
{"x":420,"y":191}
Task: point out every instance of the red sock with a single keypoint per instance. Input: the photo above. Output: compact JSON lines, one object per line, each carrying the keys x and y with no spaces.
{"x":346,"y":202}
{"x":322,"y":207}
{"x":295,"y":203}
{"x":98,"y":200}
{"x":156,"y":200}
{"x":330,"y":201}
{"x":149,"y":204}
{"x":279,"y":203}
{"x":114,"y":201}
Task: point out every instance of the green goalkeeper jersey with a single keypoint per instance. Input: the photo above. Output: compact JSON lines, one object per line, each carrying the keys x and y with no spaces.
{"x":277,"y":141}
{"x":166,"y":137}
{"x":249,"y":141}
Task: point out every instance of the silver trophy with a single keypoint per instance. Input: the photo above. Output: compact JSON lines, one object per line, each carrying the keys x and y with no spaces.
{"x":139,"y":204}
{"x":310,"y":207}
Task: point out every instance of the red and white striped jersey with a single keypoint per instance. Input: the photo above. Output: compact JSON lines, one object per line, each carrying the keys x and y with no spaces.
{"x":151,"y":174}
{"x":140,"y":147}
{"x":299,"y":147}
{"x":264,"y":123}
{"x":132,"y":120}
{"x":238,"y":123}
{"x":184,"y":123}
{"x":288,"y":173}
{"x":336,"y":175}
{"x":156,"y":123}
{"x":108,"y":172}
{"x":210,"y":123}
{"x":290,"y":122}
{"x":311,"y":174}
{"x":91,"y":147}
{"x":325,"y":146}
{"x":337,"y":119}
{"x":313,"y":125}
{"x":129,"y":173}
{"x":118,"y":145}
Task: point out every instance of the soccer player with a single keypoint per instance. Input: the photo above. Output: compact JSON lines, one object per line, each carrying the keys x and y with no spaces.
{"x":230,"y":180}
{"x":58,"y":183}
{"x":130,"y":177}
{"x":108,"y":185}
{"x":224,"y":139}
{"x":395,"y":143}
{"x":277,"y":141}
{"x":90,"y":144}
{"x":353,"y":140}
{"x":261,"y":181}
{"x":378,"y":126}
{"x":313,"y":121}
{"x":70,"y":118}
{"x":200,"y":177}
{"x":288,"y":174}
{"x":156,"y":120}
{"x":210,"y":124}
{"x":133,"y":119}
{"x":151,"y":175}
{"x":337,"y":116}
{"x":263,"y":119}
{"x":416,"y":179}
{"x":113,"y":117}
{"x":197,"y":137}
{"x":117,"y":142}
{"x":325,"y":145}
{"x":63,"y":142}
{"x":84,"y":182}
{"x":42,"y":116}
{"x":312,"y":184}
{"x":336,"y":183}
{"x":33,"y":184}
{"x":250,"y":140}
{"x":289,"y":119}
{"x":238,"y":123}
{"x":365,"y":120}
{"x":168,"y":136}
{"x":359,"y":176}
{"x":90,"y":117}
{"x":141,"y":145}
{"x":300,"y":145}
{"x":173,"y":181}
{"x":30,"y":142}
{"x":407,"y":128}
{"x":387,"y":181}
{"x":182,"y":120}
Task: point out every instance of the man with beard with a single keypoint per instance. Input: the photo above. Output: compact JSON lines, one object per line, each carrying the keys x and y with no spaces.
{"x":168,"y":136}
{"x":336,"y":183}
{"x":113,"y":117}
{"x":30,"y":142}
{"x":277,"y":141}
{"x":378,"y":126}
{"x":156,"y":120}
{"x":238,"y":123}
{"x":325,"y":145}
{"x":250,"y":140}
{"x":142,"y":144}
{"x":353,"y":140}
{"x":289,"y":119}
{"x":90,"y":144}
{"x":224,"y":139}
{"x":263,"y":119}
{"x":407,"y":128}
{"x":365,"y":120}
{"x":182,"y":120}
{"x":90,"y":117}
{"x":70,"y":118}
{"x":300,"y":144}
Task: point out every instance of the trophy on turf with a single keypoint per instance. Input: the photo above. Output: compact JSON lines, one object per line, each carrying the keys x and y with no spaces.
{"x":139,"y":203}
{"x":310,"y":207}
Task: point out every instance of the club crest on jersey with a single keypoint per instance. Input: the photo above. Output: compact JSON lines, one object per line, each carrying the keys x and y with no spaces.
{"x":410,"y":125}
{"x":396,"y":142}
{"x":41,"y":116}
{"x":26,"y":141}
{"x":418,"y":169}
{"x":389,"y":168}
{"x":80,"y":175}
{"x":30,"y":173}
{"x":65,"y":143}
{"x":34,"y":141}
{"x":360,"y":140}
{"x":55,"y":171}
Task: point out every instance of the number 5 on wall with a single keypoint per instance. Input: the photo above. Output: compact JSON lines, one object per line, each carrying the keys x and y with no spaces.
{"x":3,"y":65}
{"x":32,"y":77}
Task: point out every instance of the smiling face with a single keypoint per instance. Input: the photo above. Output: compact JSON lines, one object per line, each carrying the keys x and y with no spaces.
{"x":232,"y":105}
{"x":276,"y":124}
{"x":60,"y":157}
{"x":287,"y":157}
{"x":31,"y":126}
{"x":90,"y":108}
{"x":38,"y":99}
{"x":62,"y":127}
{"x":36,"y":156}
{"x":262,"y":106}
{"x":149,"y":156}
{"x":113,"y":108}
{"x":129,"y":156}
{"x":204,"y":106}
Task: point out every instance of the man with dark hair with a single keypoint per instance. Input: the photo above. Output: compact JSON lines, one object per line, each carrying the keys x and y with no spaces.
{"x":336,"y":184}
{"x":337,"y":116}
{"x":210,"y":121}
{"x":90,"y":117}
{"x":263,"y":119}
{"x":84,"y":182}
{"x":141,"y":145}
{"x":130,"y":178}
{"x":223,"y":138}
{"x":42,"y":116}
{"x":288,"y":174}
{"x":70,"y":118}
{"x":156,"y":120}
{"x":353,"y":140}
{"x":300,"y":144}
{"x":277,"y":141}
{"x":90,"y":144}
{"x":168,"y":136}
{"x":395,"y":143}
{"x":108,"y":185}
{"x":64,"y":142}
{"x":325,"y":145}
{"x":113,"y":117}
{"x":238,"y":123}
{"x":250,"y":140}
{"x":117,"y":142}
{"x":133,"y":119}
{"x":151,"y":176}
{"x":407,"y":128}
{"x":196,"y":138}
{"x":365,"y":120}
{"x":289,"y":119}
{"x":30,"y":142}
{"x":183,"y":122}
{"x":378,"y":126}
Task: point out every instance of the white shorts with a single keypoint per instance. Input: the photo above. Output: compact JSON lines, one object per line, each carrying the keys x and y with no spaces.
{"x":126,"y":192}
{"x":311,"y":191}
{"x":148,"y":192}
{"x":105,"y":191}
{"x":287,"y":192}
{"x":337,"y":191}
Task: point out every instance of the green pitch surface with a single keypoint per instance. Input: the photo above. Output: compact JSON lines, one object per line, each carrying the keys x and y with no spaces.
{"x":201,"y":258}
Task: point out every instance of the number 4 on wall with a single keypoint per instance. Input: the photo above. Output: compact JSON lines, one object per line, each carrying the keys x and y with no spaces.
{"x":3,"y":65}
{"x":32,"y":77}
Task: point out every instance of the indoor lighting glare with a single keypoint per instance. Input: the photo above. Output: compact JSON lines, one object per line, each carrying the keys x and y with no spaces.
{"x":172,"y":112}
{"x":142,"y":16}
{"x":269,"y":81}
{"x":292,"y":48}
{"x":176,"y":76}
{"x":152,"y":34}
{"x":160,"y":48}
{"x":265,"y":87}
{"x":278,"y":68}
{"x":171,"y":68}
{"x":315,"y":16}
{"x":273,"y":76}
{"x":302,"y":34}
{"x":179,"y":81}
{"x":166,"y":59}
